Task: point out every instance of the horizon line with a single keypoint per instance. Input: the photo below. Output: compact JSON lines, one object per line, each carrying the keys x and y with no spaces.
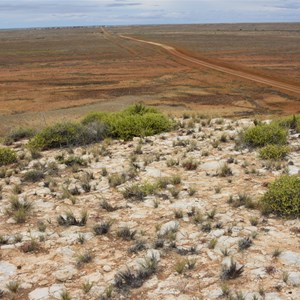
{"x":143,"y":24}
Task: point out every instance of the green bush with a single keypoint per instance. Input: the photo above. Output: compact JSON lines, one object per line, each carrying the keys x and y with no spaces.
{"x":275,"y":152}
{"x":283,"y":197}
{"x":136,"y":120}
{"x":33,"y":176}
{"x":7,"y":156}
{"x":71,"y":161}
{"x":139,"y":191}
{"x":68,"y":134}
{"x":291,"y":122}
{"x":21,"y":133}
{"x":264,"y":134}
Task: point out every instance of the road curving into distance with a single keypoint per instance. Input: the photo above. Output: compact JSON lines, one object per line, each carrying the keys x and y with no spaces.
{"x":241,"y":74}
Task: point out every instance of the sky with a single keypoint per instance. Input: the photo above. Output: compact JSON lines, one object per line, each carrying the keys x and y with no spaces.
{"x":52,"y":13}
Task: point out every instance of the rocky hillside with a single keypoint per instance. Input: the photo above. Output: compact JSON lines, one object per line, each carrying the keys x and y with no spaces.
{"x":171,"y":216}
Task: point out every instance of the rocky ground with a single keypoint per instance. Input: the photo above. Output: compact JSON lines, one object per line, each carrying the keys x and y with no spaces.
{"x":87,"y":234}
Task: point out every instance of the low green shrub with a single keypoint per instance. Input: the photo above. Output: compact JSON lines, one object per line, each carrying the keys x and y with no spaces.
{"x":291,"y":122}
{"x":20,"y":133}
{"x":136,"y":120}
{"x":7,"y":156}
{"x":264,"y":134}
{"x":68,"y":134}
{"x":71,"y":161}
{"x":283,"y":197}
{"x":275,"y":152}
{"x":33,"y":176}
{"x":190,"y":164}
{"x":116,"y":179}
{"x":139,"y":191}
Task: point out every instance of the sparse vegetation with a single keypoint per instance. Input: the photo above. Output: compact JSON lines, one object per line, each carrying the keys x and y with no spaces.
{"x":206,"y":227}
{"x":115,"y":180}
{"x":190,"y":164}
{"x":30,"y":246}
{"x":225,"y":170}
{"x":7,"y":156}
{"x":19,"y":209}
{"x":33,"y":176}
{"x":65,"y":295}
{"x":20,"y":133}
{"x":70,"y":220}
{"x":231,"y":271}
{"x":138,"y":192}
{"x":102,"y":228}
{"x":140,"y":245}
{"x":13,"y":286}
{"x":135,"y":121}
{"x":178,"y":213}
{"x":283,"y":197}
{"x":174,"y":192}
{"x":212,"y":243}
{"x":84,"y":258}
{"x":72,"y":160}
{"x":285,"y":276}
{"x":242,"y":199}
{"x":67,"y":135}
{"x":126,"y":233}
{"x":180,"y":266}
{"x":245,"y":243}
{"x":291,"y":122}
{"x":274,"y":152}
{"x":107,"y":206}
{"x":253,"y":221}
{"x":129,"y":278}
{"x":153,"y":207}
{"x":192,"y":191}
{"x":276,"y":253}
{"x":264,"y":134}
{"x":87,"y":286}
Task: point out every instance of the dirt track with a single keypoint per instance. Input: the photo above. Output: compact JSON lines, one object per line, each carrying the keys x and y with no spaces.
{"x":174,"y":51}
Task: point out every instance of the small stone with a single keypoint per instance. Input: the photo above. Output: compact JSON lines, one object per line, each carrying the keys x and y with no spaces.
{"x":6,"y":270}
{"x":153,"y":172}
{"x":55,"y":290}
{"x":106,"y":268}
{"x":39,"y":294}
{"x":272,"y":296}
{"x":11,"y":221}
{"x":290,"y":258}
{"x":212,"y":256}
{"x":293,"y":170}
{"x":294,"y":278}
{"x":7,"y":247}
{"x":65,"y":274}
{"x":218,"y":233}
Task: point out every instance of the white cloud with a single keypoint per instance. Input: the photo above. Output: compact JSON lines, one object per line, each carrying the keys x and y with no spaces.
{"x":28,"y":13}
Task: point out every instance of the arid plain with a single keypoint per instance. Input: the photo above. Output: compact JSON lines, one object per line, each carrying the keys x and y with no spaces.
{"x":138,"y":205}
{"x":51,"y":75}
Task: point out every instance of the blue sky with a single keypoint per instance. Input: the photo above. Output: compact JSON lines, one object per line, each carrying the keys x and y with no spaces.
{"x":44,"y":13}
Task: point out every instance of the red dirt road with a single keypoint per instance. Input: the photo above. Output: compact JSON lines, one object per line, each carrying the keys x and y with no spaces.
{"x":241,"y":74}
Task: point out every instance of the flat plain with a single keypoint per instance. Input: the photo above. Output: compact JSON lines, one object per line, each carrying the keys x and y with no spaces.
{"x":50,"y":75}
{"x":192,"y":212}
